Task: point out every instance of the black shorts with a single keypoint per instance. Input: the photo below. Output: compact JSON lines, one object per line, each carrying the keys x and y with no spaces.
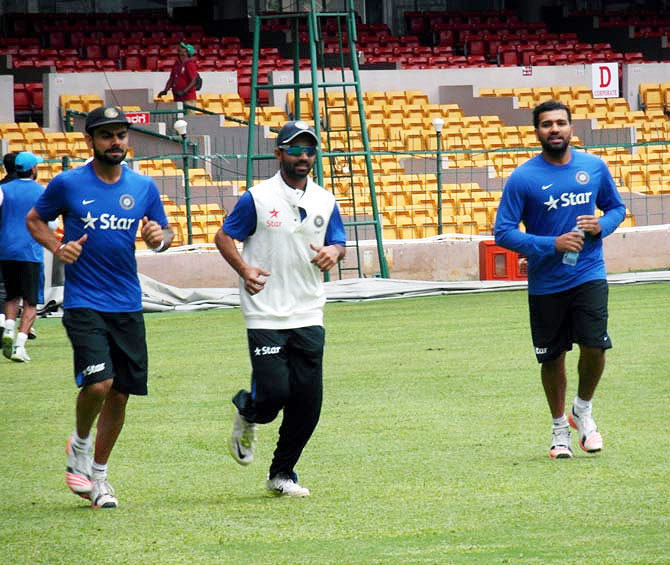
{"x":577,"y":315}
{"x":281,"y":360}
{"x":108,"y":346}
{"x":22,"y":280}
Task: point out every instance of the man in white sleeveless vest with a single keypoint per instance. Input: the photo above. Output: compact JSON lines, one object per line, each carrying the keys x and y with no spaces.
{"x":292,"y":231}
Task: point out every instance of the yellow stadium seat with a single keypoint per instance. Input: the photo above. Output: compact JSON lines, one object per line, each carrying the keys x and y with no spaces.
{"x":617,"y":118}
{"x":636,"y":181}
{"x":374,"y":112}
{"x":375,"y":97}
{"x":415,"y":123}
{"x":8,"y":126}
{"x":580,"y":92}
{"x":29,"y":126}
{"x":651,"y":96}
{"x":617,"y":105}
{"x":336,"y":98}
{"x":488,"y":121}
{"x":396,"y":98}
{"x":215,"y":106}
{"x":492,"y":138}
{"x":525,"y":96}
{"x":13,"y":136}
{"x":511,"y":136}
{"x":412,"y":111}
{"x":416,"y":97}
{"x":542,"y":93}
{"x":466,"y":224}
{"x":91,"y":101}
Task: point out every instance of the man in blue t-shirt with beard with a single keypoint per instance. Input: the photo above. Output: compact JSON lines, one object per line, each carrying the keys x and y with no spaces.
{"x":555,"y":195}
{"x":103,"y":204}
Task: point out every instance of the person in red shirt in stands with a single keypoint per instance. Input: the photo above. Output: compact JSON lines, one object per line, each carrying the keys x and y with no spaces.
{"x":183,"y":75}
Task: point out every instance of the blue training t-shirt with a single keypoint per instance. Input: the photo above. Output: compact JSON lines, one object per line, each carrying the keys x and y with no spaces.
{"x":548,"y":198}
{"x":104,"y":277}
{"x":241,"y":222}
{"x":16,"y":242}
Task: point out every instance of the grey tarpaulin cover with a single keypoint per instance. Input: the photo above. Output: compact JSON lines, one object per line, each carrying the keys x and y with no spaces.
{"x":160,"y":297}
{"x":157,"y":296}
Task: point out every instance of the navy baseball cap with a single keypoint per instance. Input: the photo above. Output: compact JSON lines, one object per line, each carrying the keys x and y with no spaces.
{"x":25,"y":161}
{"x":103,"y":116}
{"x":291,"y":130}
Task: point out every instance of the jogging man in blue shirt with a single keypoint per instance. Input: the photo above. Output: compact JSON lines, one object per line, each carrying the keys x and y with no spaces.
{"x":103,"y":204}
{"x":555,"y":195}
{"x":292,"y":231}
{"x":20,"y":255}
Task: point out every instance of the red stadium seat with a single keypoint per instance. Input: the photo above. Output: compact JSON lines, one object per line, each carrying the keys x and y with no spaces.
{"x":508,"y":57}
{"x":93,"y":51}
{"x":151,"y":62}
{"x":22,"y":104}
{"x":56,"y":39}
{"x":106,"y":65}
{"x":132,"y":63}
{"x":112,"y":50}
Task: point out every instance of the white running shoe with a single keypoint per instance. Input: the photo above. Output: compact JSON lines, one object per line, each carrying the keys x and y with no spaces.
{"x":78,"y":470}
{"x":560,"y":443}
{"x":242,"y":441}
{"x":590,"y":439}
{"x":7,"y":343}
{"x":19,"y":354}
{"x":102,"y":495}
{"x":283,"y":485}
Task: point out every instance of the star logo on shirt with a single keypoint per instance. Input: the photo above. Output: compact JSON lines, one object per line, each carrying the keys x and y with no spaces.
{"x":257,"y":351}
{"x":274,"y":213}
{"x":552,"y":203}
{"x":89,"y":221}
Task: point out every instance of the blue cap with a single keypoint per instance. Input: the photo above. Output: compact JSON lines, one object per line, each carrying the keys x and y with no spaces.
{"x":291,"y":130}
{"x":25,"y":161}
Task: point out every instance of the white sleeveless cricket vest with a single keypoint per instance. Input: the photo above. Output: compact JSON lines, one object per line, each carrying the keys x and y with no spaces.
{"x":293,"y":296}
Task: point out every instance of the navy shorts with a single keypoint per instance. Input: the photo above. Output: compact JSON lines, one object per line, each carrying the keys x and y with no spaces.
{"x":108,"y":346}
{"x":577,"y":315}
{"x":22,"y":280}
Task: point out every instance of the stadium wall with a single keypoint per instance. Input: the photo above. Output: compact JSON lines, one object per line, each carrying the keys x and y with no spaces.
{"x":433,"y":259}
{"x":7,"y":97}
{"x":430,"y":80}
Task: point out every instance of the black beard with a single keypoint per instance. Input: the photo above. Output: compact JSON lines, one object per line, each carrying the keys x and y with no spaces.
{"x":289,"y":170}
{"x":555,"y":152}
{"x":108,"y":159}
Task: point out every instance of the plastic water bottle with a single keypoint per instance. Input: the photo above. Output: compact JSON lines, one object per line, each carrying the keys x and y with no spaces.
{"x":570,"y":257}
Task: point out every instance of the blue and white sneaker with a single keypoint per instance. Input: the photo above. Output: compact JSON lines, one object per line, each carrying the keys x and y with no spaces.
{"x":242,"y":441}
{"x":283,"y":484}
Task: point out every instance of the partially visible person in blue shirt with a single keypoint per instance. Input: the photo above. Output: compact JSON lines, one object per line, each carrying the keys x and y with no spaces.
{"x":555,"y":195}
{"x":20,"y":255}
{"x":10,"y":174}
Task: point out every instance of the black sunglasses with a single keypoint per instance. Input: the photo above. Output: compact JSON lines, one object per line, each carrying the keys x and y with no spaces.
{"x":297,"y":150}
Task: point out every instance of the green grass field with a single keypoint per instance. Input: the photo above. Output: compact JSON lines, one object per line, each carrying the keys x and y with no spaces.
{"x":432,"y":446}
